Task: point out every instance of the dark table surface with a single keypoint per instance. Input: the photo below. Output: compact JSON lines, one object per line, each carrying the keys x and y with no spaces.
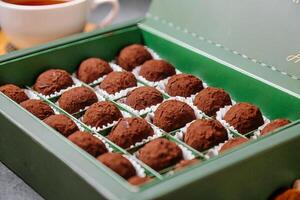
{"x":11,"y":186}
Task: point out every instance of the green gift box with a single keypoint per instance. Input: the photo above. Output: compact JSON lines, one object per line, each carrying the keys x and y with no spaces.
{"x":248,"y":48}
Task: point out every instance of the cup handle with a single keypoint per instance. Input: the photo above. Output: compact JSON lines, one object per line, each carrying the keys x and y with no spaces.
{"x":111,"y":15}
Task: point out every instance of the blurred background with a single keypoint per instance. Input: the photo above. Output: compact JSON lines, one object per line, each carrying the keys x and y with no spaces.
{"x":11,"y":186}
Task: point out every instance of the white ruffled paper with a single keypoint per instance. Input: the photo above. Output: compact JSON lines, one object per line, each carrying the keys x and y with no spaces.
{"x":108,"y":147}
{"x":140,"y":171}
{"x":31,"y":95}
{"x":257,"y":133}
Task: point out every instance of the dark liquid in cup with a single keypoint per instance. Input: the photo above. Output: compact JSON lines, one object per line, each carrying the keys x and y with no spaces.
{"x":35,"y":2}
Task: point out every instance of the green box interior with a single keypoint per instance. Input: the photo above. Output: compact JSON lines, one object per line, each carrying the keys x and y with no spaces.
{"x":88,"y":178}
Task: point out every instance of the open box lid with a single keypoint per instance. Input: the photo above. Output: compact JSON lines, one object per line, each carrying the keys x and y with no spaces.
{"x":258,"y":38}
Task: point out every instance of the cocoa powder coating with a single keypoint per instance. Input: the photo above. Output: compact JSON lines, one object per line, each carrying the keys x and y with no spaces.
{"x":133,"y":56}
{"x":272,"y":126}
{"x":143,"y":97}
{"x":14,"y":92}
{"x":210,"y":100}
{"x":89,"y":143}
{"x":156,"y":70}
{"x":92,"y":69}
{"x":129,"y":131}
{"x":101,"y":113}
{"x":183,"y":85}
{"x":204,"y":134}
{"x":234,"y":142}
{"x":76,"y":99}
{"x":116,"y":81}
{"x":173,"y":114}
{"x":38,"y":108}
{"x":52,"y":80}
{"x":160,"y":154}
{"x":62,"y":124}
{"x":185,"y":163}
{"x":244,"y":117}
{"x":118,"y":164}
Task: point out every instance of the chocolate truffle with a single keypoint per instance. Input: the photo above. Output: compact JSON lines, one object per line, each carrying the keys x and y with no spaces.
{"x":38,"y":108}
{"x":172,"y":115}
{"x":138,"y":180}
{"x":160,"y":154}
{"x":118,"y":164}
{"x":77,"y":98}
{"x":156,"y":70}
{"x":101,"y":114}
{"x":116,"y":81}
{"x":93,"y":68}
{"x":203,"y":134}
{"x":52,"y":80}
{"x":185,"y":163}
{"x":210,"y":100}
{"x":272,"y":126}
{"x":290,"y":194}
{"x":62,"y":124}
{"x":183,"y":85}
{"x":244,"y":117}
{"x":129,"y":131}
{"x":14,"y":92}
{"x":143,"y":97}
{"x":89,"y":143}
{"x":234,"y":142}
{"x":132,"y":56}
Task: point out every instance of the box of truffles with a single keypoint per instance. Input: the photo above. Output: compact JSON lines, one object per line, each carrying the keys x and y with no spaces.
{"x":142,"y":111}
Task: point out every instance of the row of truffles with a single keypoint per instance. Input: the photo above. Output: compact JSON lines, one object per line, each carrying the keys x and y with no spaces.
{"x":115,"y":161}
{"x":96,"y":148}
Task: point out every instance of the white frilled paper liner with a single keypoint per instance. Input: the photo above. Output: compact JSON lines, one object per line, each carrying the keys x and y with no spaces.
{"x":220,"y":117}
{"x":256,"y":133}
{"x":117,"y":95}
{"x":138,"y":168}
{"x":150,"y":115}
{"x":100,"y":79}
{"x":77,"y":83}
{"x":186,"y":153}
{"x":31,"y":94}
{"x":100,"y":98}
{"x":109,"y":125}
{"x":108,"y":147}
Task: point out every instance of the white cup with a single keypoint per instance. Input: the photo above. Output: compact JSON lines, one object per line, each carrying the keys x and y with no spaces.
{"x":26,"y":26}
